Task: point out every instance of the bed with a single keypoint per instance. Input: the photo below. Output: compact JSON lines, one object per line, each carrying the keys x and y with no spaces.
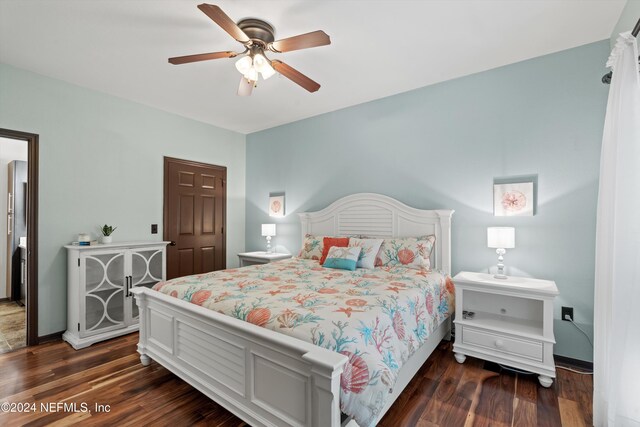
{"x":291,"y":343}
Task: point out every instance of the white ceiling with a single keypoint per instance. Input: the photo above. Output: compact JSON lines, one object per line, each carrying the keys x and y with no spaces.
{"x":379,"y":48}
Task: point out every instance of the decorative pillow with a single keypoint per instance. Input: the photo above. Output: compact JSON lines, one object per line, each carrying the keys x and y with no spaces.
{"x":328,"y":242}
{"x":409,"y":252}
{"x":344,"y":258}
{"x":429,"y":243}
{"x":370,"y":248}
{"x":311,"y":247}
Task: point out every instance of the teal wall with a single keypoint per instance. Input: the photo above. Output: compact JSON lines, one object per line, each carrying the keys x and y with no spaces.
{"x":628,"y":18}
{"x":442,"y":146}
{"x":101,"y":161}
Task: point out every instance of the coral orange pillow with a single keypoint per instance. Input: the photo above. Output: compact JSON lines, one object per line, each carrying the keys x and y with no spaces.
{"x":328,"y":242}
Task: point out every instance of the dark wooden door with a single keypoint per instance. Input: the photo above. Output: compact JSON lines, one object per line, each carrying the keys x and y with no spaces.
{"x":194,"y":217}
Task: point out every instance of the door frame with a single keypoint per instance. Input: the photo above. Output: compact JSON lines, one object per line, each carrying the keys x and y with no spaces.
{"x":32,"y":140}
{"x":165,"y":192}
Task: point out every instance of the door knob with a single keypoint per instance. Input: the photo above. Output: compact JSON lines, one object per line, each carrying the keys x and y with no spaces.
{"x":173,"y":243}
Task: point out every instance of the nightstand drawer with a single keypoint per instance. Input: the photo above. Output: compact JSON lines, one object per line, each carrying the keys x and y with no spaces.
{"x":255,"y":258}
{"x":248,"y":262}
{"x":496,"y":342}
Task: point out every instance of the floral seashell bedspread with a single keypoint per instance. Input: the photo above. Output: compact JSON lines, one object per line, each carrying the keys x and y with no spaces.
{"x":377,"y":318}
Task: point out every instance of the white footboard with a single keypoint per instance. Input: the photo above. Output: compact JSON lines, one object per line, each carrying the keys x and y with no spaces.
{"x":265,"y":378}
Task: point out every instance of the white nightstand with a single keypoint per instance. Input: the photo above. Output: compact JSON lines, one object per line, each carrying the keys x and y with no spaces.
{"x":512,"y":322}
{"x":253,"y":258}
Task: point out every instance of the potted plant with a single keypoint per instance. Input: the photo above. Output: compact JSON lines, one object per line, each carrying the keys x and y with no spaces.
{"x":107,"y":230}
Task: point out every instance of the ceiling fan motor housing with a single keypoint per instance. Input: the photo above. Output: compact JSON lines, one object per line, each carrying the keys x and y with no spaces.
{"x":257,"y":30}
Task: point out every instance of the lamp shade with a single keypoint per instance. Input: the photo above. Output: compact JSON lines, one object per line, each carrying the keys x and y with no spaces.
{"x":501,"y":237}
{"x":268,"y":230}
{"x":244,"y":64}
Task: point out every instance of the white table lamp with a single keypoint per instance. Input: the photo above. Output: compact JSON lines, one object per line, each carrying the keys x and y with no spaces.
{"x":268,"y":231}
{"x":501,"y":238}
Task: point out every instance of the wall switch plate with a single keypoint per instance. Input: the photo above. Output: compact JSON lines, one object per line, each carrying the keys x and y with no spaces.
{"x":567,"y":311}
{"x":154,"y":228}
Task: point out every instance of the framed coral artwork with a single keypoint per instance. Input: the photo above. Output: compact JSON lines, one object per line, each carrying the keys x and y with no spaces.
{"x":276,"y":206}
{"x":514,"y":199}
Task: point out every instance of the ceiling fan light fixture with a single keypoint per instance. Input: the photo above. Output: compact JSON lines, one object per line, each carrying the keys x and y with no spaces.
{"x":267,"y":71}
{"x":259,"y":62}
{"x":251,"y":75}
{"x":244,"y":65}
{"x":254,"y":64}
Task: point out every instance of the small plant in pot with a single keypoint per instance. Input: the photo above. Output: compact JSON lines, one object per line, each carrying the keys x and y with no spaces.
{"x":107,"y":230}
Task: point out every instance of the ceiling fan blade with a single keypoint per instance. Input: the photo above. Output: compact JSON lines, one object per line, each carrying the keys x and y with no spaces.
{"x":223,"y":20}
{"x":303,"y":41}
{"x":295,"y":76}
{"x":246,"y":87}
{"x":201,"y":57}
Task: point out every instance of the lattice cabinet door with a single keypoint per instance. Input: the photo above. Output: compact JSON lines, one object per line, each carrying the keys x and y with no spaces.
{"x":147,"y":269}
{"x":102,"y":305}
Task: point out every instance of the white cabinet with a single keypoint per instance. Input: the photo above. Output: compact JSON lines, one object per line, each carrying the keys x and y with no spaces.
{"x":507,"y":321}
{"x":100,"y":304}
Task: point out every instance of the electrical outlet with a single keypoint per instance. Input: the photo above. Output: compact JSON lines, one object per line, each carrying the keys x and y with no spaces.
{"x":154,"y":228}
{"x":567,"y":311}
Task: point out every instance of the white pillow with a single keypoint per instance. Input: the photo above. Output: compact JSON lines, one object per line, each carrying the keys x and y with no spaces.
{"x":370,"y":248}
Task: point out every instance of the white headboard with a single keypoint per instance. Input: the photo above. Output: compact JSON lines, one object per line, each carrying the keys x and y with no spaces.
{"x":381,"y":216}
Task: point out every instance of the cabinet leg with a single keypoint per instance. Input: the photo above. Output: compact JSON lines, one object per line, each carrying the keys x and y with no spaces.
{"x":145,"y":360}
{"x":545,"y":381}
{"x":460,"y":358}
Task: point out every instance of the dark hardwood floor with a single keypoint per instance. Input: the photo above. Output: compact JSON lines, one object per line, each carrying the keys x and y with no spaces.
{"x":13,"y":326}
{"x":443,"y":393}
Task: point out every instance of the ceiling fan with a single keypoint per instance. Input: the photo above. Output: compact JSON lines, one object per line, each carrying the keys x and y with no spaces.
{"x":257,"y":37}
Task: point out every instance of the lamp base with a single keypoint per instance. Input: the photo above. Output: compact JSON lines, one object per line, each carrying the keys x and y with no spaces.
{"x":269,"y":245}
{"x":500,"y":274}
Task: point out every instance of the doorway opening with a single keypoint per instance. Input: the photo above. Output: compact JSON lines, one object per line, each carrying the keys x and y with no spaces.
{"x":195,"y":199}
{"x":18,"y":240}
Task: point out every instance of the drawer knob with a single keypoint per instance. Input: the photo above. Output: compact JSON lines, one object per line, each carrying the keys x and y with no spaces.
{"x":499,"y":343}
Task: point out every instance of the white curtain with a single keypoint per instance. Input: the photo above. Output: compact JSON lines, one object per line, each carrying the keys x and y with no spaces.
{"x":616,"y":399}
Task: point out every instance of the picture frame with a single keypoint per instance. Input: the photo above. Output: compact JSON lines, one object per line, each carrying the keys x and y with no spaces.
{"x":276,"y":206}
{"x":513,"y":199}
